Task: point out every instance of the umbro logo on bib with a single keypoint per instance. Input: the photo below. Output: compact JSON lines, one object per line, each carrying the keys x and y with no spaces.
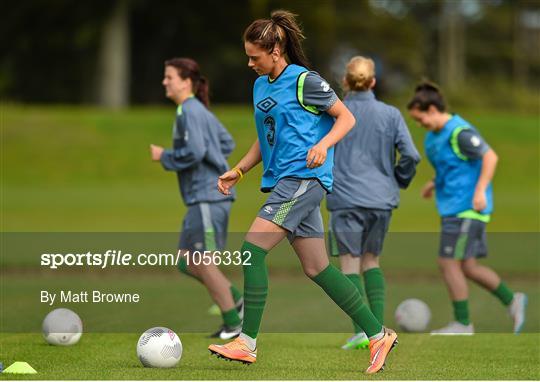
{"x":266,"y":104}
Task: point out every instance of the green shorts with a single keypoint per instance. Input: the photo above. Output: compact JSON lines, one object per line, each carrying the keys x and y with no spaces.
{"x":462,"y":238}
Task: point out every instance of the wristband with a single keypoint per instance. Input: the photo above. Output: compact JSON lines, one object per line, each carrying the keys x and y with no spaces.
{"x":239,"y":172}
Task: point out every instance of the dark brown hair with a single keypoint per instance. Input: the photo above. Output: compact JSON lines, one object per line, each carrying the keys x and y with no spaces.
{"x":189,"y":68}
{"x":427,"y":94}
{"x":281,"y":29}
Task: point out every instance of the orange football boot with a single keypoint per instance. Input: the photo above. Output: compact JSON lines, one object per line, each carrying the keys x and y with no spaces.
{"x":236,"y":350}
{"x":379,"y":350}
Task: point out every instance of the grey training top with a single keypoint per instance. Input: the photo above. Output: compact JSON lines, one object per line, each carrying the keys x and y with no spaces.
{"x":471,"y":144}
{"x":365,"y":170}
{"x":201,"y":146}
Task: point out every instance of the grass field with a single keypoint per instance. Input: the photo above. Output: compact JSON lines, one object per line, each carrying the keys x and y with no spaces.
{"x":75,"y":169}
{"x":284,"y":357}
{"x":85,"y":169}
{"x":295,"y":304}
{"x":301,"y":331}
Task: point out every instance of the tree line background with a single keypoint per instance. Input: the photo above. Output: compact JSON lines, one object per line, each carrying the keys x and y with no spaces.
{"x":111,"y":53}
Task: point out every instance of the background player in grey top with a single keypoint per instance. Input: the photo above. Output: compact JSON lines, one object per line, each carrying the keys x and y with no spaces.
{"x":367,"y":179}
{"x":201,"y":146}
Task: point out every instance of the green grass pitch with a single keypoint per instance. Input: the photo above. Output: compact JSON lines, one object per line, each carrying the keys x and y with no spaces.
{"x":302,"y":332}
{"x":79,"y":169}
{"x":85,"y":169}
{"x":284,"y":356}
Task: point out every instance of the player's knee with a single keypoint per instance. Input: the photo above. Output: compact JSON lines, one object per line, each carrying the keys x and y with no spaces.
{"x":468,"y":269}
{"x":369,"y":261}
{"x":311,"y":271}
{"x":199,"y":269}
{"x":187,"y":269}
{"x":441,"y":263}
{"x":447,"y":265}
{"x":349,"y":264}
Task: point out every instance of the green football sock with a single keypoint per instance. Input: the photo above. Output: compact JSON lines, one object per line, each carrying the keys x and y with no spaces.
{"x":255,"y":288}
{"x":236,"y":295}
{"x":183,"y":267}
{"x":503,"y":293}
{"x":231,"y":318}
{"x":375,"y":288}
{"x":343,"y":292}
{"x":356,"y":280}
{"x":461,"y":311}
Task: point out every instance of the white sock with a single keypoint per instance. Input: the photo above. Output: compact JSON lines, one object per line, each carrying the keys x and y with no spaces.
{"x":250,"y":342}
{"x":378,"y":336}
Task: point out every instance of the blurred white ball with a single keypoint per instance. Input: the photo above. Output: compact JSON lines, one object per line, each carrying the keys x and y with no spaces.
{"x":413,"y":315}
{"x":62,"y":327}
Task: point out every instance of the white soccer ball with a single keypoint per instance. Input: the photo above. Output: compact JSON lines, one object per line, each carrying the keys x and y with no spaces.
{"x":62,"y":327}
{"x":413,"y":315}
{"x":159,"y":347}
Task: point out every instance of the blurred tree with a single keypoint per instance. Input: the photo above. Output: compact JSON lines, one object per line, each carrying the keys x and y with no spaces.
{"x":113,"y":52}
{"x":526,"y":46}
{"x":114,"y":60}
{"x":49,"y":49}
{"x":451,"y":44}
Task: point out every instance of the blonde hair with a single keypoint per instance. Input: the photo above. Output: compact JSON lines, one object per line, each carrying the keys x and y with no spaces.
{"x":360,"y":74}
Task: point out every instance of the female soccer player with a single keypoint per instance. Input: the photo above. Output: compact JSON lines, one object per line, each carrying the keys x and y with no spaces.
{"x":366,"y":186}
{"x":294,"y":115}
{"x":464,"y":166}
{"x":201,"y":146}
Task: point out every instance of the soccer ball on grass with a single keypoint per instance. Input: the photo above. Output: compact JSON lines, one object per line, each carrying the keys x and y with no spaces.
{"x":159,"y":347}
{"x":413,"y":315}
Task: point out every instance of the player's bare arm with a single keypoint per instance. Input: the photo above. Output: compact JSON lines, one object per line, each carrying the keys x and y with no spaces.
{"x":231,"y":177}
{"x":344,"y":123}
{"x":489,"y":164}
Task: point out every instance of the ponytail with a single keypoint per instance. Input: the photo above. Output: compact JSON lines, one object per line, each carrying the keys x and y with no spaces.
{"x":282,"y":30}
{"x":427,"y":94}
{"x":189,"y":68}
{"x":202,"y":91}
